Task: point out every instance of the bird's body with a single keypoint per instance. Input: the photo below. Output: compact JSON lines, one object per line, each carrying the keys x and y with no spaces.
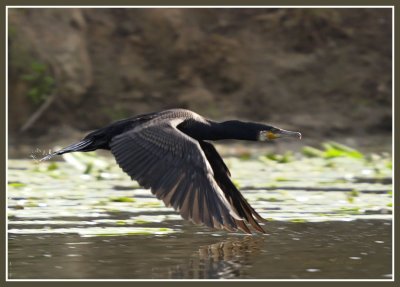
{"x":169,"y":153}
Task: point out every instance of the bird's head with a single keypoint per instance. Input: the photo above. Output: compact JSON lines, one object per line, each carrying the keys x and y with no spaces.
{"x":271,"y":133}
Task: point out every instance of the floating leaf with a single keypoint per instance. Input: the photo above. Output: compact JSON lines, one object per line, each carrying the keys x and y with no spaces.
{"x":122,"y":199}
{"x":52,"y":166}
{"x":312,"y":152}
{"x":16,"y":184}
{"x":333,"y":149}
{"x":280,"y":158}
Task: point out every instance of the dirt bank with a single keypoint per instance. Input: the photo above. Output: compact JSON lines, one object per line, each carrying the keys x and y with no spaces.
{"x":326,"y":72}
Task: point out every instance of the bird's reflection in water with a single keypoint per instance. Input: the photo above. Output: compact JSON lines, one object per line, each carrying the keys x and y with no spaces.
{"x":225,"y":259}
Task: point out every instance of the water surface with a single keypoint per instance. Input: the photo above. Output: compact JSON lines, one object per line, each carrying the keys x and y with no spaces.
{"x":357,"y":249}
{"x":329,"y":217}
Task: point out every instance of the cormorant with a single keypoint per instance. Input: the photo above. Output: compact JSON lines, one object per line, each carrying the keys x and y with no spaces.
{"x":169,"y":153}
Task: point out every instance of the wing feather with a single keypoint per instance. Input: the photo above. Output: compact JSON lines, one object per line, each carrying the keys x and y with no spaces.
{"x":236,"y":199}
{"x":174,"y":167}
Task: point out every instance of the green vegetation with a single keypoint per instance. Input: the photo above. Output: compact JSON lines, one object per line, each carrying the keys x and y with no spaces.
{"x":280,"y":158}
{"x":349,"y":187}
{"x":52,"y":166}
{"x":122,"y":199}
{"x":41,"y":84}
{"x":142,"y":221}
{"x":149,"y":204}
{"x":332,"y":150}
{"x":309,"y":151}
{"x":16,"y":184}
{"x":89,"y":168}
{"x":269,"y":199}
{"x":283,"y":179}
{"x":351,"y":195}
{"x":349,"y":210}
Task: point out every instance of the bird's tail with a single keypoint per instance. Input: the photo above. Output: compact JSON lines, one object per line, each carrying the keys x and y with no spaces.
{"x":83,"y":145}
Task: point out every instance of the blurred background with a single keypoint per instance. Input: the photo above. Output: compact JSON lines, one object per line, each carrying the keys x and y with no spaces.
{"x":324,"y":72}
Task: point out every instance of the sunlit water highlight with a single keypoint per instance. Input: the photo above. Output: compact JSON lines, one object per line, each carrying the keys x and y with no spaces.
{"x":84,"y":218}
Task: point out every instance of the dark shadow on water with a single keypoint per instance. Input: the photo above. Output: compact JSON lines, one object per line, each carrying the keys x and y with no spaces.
{"x":332,"y":250}
{"x":225,"y":259}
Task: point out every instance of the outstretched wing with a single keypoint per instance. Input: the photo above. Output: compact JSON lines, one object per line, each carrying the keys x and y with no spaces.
{"x":235,"y":198}
{"x":174,"y":167}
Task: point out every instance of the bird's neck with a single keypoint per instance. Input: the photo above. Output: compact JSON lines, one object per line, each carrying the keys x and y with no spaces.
{"x":231,"y":130}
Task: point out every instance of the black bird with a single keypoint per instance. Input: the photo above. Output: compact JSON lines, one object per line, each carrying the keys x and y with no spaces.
{"x":169,"y":153}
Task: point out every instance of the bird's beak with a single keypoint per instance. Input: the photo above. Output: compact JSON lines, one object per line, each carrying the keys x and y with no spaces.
{"x":283,"y":134}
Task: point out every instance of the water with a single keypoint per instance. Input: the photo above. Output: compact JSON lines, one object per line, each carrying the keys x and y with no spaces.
{"x":339,"y":250}
{"x":84,"y":219}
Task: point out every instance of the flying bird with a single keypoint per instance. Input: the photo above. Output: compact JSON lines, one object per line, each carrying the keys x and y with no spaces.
{"x":169,"y":153}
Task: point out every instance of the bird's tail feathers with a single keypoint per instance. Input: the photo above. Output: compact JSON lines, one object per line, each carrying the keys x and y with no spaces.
{"x":83,"y":145}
